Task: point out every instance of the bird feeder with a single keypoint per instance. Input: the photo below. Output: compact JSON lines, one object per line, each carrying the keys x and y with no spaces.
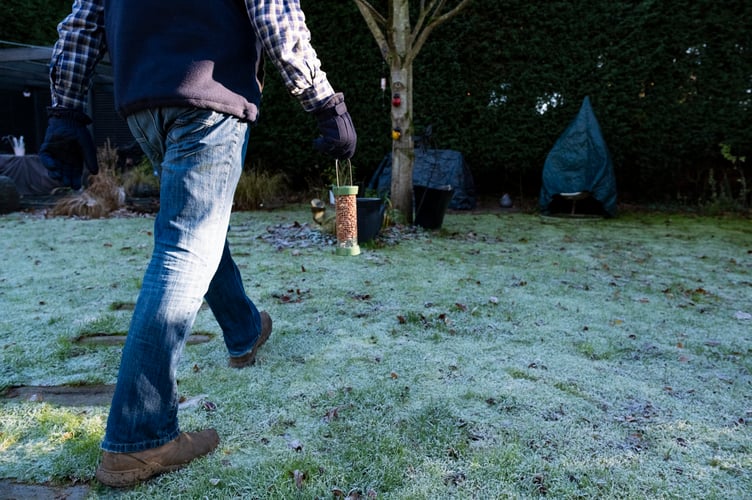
{"x":346,"y":213}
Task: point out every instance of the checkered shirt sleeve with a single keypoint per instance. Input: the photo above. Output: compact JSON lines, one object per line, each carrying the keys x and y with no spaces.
{"x":80,"y":46}
{"x":280,"y":26}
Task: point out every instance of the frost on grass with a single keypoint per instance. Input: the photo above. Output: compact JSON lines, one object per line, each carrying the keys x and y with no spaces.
{"x":503,"y":356}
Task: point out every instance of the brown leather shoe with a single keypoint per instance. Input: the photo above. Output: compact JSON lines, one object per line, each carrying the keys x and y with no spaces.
{"x":128,"y":469}
{"x":249,"y":358}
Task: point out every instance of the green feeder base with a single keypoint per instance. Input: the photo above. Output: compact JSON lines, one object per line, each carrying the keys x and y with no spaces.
{"x":354,"y":250}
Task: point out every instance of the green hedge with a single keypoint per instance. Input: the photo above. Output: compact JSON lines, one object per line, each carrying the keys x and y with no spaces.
{"x":670,"y":81}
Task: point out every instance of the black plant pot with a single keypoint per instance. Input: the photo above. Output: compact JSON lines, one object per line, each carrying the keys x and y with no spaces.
{"x":370,"y":218}
{"x":431,"y":205}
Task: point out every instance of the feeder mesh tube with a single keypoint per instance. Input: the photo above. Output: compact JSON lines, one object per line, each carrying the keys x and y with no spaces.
{"x":346,"y":220}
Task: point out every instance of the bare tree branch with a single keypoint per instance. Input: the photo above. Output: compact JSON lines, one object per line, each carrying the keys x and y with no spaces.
{"x":422,"y":36}
{"x":373,"y":12}
{"x":374,"y":21}
{"x":421,"y":20}
{"x":434,"y":6}
{"x":450,"y":14}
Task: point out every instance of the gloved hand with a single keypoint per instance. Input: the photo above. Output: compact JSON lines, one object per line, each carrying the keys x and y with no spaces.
{"x":338,"y":137}
{"x":68,"y":146}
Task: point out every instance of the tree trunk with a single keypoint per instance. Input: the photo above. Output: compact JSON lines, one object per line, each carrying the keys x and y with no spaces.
{"x":399,"y":45}
{"x":403,"y":151}
{"x":401,"y":72}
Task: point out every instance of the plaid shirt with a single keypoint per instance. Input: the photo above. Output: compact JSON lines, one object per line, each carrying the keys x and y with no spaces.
{"x":279,"y":24}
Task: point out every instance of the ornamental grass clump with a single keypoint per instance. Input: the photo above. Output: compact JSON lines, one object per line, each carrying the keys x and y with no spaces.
{"x":103,"y":195}
{"x":258,"y":190}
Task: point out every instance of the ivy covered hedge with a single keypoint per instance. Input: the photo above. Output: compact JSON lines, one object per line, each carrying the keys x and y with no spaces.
{"x":670,"y":82}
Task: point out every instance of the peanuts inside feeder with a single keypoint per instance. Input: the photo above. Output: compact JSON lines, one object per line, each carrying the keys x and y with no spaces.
{"x":346,"y":215}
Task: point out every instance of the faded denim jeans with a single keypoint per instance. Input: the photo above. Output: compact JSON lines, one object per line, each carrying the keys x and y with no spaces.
{"x":199,"y":156}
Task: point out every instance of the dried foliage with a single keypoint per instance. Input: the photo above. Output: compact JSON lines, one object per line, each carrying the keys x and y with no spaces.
{"x":103,"y":195}
{"x":140,"y":181}
{"x":257,"y":189}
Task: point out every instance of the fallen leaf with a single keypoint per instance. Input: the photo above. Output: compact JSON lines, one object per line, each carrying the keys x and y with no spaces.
{"x":353,"y":494}
{"x":332,"y":414}
{"x":454,"y":478}
{"x":636,"y":441}
{"x":394,"y":375}
{"x":539,"y":484}
{"x":298,"y":477}
{"x":191,"y":402}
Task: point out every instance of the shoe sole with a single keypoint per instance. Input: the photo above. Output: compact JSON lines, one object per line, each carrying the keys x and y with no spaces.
{"x":124,"y":479}
{"x":145,"y":467}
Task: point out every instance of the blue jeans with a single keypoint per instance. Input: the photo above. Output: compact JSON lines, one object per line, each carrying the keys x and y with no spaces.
{"x":199,"y":155}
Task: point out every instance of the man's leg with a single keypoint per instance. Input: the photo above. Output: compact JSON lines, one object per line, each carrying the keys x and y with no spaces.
{"x":244,"y":328}
{"x":199,"y":154}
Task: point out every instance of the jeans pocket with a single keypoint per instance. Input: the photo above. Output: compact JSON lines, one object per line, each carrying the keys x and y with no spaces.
{"x":192,"y":124}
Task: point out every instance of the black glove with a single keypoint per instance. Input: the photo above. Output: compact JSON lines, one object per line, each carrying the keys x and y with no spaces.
{"x":68,"y":146}
{"x":338,"y":137}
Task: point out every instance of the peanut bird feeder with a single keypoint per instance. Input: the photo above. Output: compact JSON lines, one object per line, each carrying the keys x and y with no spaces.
{"x":346,"y":213}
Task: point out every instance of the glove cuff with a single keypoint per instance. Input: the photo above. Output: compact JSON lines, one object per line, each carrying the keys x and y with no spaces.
{"x":76,"y":115}
{"x":334,"y":106}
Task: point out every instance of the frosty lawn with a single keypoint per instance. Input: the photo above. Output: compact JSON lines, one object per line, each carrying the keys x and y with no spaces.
{"x":504,"y":356}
